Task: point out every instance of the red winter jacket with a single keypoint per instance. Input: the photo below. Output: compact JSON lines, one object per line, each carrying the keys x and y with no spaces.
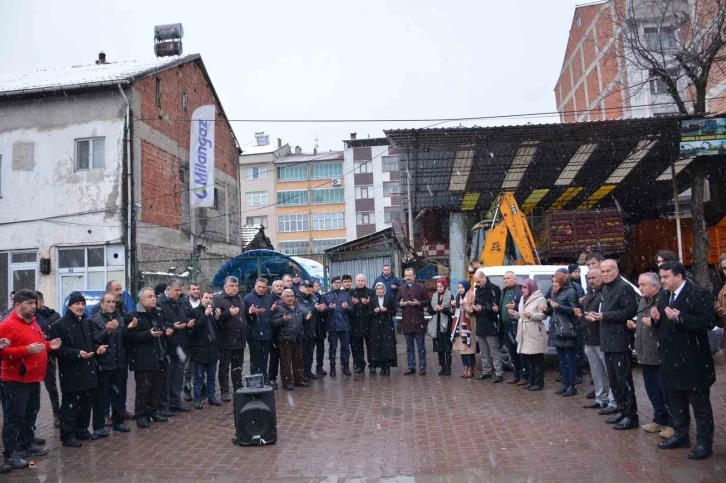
{"x":21,"y":334}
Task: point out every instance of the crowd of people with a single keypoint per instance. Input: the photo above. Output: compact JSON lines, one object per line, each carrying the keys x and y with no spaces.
{"x":179,"y":345}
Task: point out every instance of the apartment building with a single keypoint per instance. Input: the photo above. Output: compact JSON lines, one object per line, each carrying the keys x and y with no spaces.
{"x":310,"y":202}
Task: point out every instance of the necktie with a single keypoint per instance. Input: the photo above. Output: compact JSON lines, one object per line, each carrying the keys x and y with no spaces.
{"x":673,"y":299}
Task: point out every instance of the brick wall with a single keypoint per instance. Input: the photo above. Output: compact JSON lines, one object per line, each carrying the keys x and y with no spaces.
{"x":160,"y":175}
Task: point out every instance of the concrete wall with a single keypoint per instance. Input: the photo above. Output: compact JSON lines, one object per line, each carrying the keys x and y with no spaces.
{"x":39,"y":180}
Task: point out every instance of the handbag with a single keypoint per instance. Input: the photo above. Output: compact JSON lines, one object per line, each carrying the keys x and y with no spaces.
{"x":564,"y":329}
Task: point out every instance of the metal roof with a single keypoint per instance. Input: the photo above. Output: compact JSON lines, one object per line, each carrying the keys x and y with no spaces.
{"x":310,"y":157}
{"x":562,"y":166}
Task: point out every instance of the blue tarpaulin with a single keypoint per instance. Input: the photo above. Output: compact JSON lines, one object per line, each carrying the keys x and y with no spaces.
{"x":272,"y":265}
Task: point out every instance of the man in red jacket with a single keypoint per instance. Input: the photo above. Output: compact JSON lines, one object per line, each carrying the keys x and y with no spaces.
{"x":24,"y":364}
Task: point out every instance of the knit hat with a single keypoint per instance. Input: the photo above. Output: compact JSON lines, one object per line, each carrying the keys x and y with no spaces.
{"x":335,"y":279}
{"x":76,"y":297}
{"x":573,"y":267}
{"x":159,"y":288}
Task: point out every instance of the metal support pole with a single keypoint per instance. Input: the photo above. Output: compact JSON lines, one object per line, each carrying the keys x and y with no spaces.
{"x":678,"y":211}
{"x":410,"y":208}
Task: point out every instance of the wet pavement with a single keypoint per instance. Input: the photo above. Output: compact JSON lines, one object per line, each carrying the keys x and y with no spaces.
{"x":397,"y":430}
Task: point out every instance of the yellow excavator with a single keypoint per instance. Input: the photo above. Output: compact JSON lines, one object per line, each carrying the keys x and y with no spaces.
{"x":507,"y":241}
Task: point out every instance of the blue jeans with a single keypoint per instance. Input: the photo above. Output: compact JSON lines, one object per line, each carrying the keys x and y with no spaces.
{"x":344,"y":337}
{"x":568,"y":364}
{"x":200,"y":370}
{"x":655,"y":388}
{"x":419,"y":340}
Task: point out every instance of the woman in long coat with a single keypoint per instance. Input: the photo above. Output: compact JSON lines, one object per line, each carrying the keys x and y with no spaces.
{"x":383,"y":339}
{"x":463,"y":328}
{"x":440,"y":325}
{"x":531,"y":332}
{"x":564,"y":324}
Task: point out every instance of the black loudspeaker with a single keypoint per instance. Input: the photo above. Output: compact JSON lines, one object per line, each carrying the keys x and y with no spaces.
{"x":45,"y":266}
{"x":255,"y":419}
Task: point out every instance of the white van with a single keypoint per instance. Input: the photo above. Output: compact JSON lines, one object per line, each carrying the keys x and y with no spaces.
{"x":542,"y":275}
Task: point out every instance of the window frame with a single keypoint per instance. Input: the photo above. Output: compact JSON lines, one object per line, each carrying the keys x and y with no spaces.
{"x":336,"y":219}
{"x":91,"y":158}
{"x":363,"y":167}
{"x":330,"y":170}
{"x":283,"y":197}
{"x":386,"y":160}
{"x":336,"y":199}
{"x":388,"y":211}
{"x":293,"y":223}
{"x":388,"y":185}
{"x":302,"y":247}
{"x":369,"y":192}
{"x":261,"y":173}
{"x":365,"y":218}
{"x":85,"y":269}
{"x":262,"y":195}
{"x":298,"y":168}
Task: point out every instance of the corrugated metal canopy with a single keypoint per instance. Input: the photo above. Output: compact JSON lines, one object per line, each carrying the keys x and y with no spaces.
{"x":602,"y":161}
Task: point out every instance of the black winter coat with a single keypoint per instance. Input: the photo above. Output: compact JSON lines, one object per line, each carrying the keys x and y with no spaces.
{"x":591,"y":303}
{"x":259,"y":327}
{"x":204,"y":342}
{"x":307,"y":304}
{"x":45,"y":319}
{"x":145,"y":352}
{"x":360,"y":321}
{"x":562,"y":319}
{"x":174,"y":311}
{"x":619,"y":304}
{"x":685,"y":353}
{"x":75,"y":374}
{"x":234,"y":335}
{"x":289,"y":330}
{"x":382,"y":336}
{"x":487,"y":321}
{"x":115,"y":356}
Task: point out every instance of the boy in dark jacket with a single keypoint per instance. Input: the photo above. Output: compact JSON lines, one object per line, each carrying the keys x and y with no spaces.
{"x":204,"y":348}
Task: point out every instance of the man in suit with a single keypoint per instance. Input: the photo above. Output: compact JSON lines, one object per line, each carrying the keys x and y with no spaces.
{"x":685,"y":315}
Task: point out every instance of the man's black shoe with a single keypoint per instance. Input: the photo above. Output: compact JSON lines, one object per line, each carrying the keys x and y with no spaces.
{"x":346,"y":371}
{"x":71,"y":443}
{"x":700,"y":452}
{"x":483,"y":376}
{"x":101,"y":433}
{"x":121,"y":428}
{"x":608,"y":411}
{"x":39,"y":441}
{"x":409,"y":372}
{"x":590,"y":395}
{"x":561,"y":390}
{"x":498,"y":379}
{"x":675,"y":442}
{"x":179,"y":409}
{"x":302,"y":384}
{"x":320,"y":371}
{"x":273,"y":384}
{"x":627,"y":423}
{"x":214,"y":402}
{"x":16,"y":462}
{"x":86,"y":435}
{"x":198,"y":404}
{"x":422,"y":372}
{"x":226,"y":397}
{"x":578,"y":380}
{"x":535,"y":388}
{"x":159,"y":418}
{"x":165,"y":412}
{"x":143,"y":422}
{"x":34,"y":450}
{"x":289,"y":387}
{"x":188,"y":394}
{"x":332,"y":370}
{"x":5,"y":468}
{"x":595,"y":405}
{"x":571,"y":391}
{"x":615,"y":419}
{"x":312,"y":376}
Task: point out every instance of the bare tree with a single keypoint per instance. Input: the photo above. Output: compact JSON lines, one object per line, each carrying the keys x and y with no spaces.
{"x":679,"y":45}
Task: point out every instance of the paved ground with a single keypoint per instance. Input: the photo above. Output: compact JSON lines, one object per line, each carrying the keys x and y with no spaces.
{"x":397,"y":429}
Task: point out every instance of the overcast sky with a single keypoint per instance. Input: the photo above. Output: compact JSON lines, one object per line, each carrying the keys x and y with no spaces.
{"x":311,"y":59}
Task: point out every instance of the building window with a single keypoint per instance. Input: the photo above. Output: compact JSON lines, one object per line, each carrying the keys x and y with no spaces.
{"x":256,"y":198}
{"x":660,"y":39}
{"x":291,"y":223}
{"x":364,"y":167}
{"x":326,"y":170}
{"x":89,"y":268}
{"x":294,"y":247}
{"x":17,"y":270}
{"x":90,"y":153}
{"x":184,"y":101}
{"x":321,"y":245}
{"x":328,"y":195}
{"x":390,"y":189}
{"x":363,"y":192}
{"x":292,"y":173}
{"x":158,"y":93}
{"x":391,"y":215}
{"x":390,"y":163}
{"x":367,"y":218}
{"x":658,"y":85}
{"x":257,"y":220}
{"x":292,"y":197}
{"x":255,"y":173}
{"x":328,"y":221}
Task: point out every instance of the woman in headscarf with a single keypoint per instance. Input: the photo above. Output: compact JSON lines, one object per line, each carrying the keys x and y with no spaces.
{"x":563,"y":322}
{"x":439,"y":328}
{"x":531,"y":332}
{"x":382,"y":337}
{"x":463,"y":328}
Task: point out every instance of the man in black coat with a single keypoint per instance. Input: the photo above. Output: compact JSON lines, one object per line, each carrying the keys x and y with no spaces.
{"x":108,"y":330}
{"x":289,"y":318}
{"x":685,"y":315}
{"x":486,"y":309}
{"x":175,"y":317}
{"x":321,"y":330}
{"x":46,"y":317}
{"x":273,"y":368}
{"x":307,"y":301}
{"x":360,"y":322}
{"x":510,"y":300}
{"x":260,"y":308}
{"x":229,"y":309}
{"x":204,"y":349}
{"x":146,"y":338}
{"x":619,"y":305}
{"x":77,"y":369}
